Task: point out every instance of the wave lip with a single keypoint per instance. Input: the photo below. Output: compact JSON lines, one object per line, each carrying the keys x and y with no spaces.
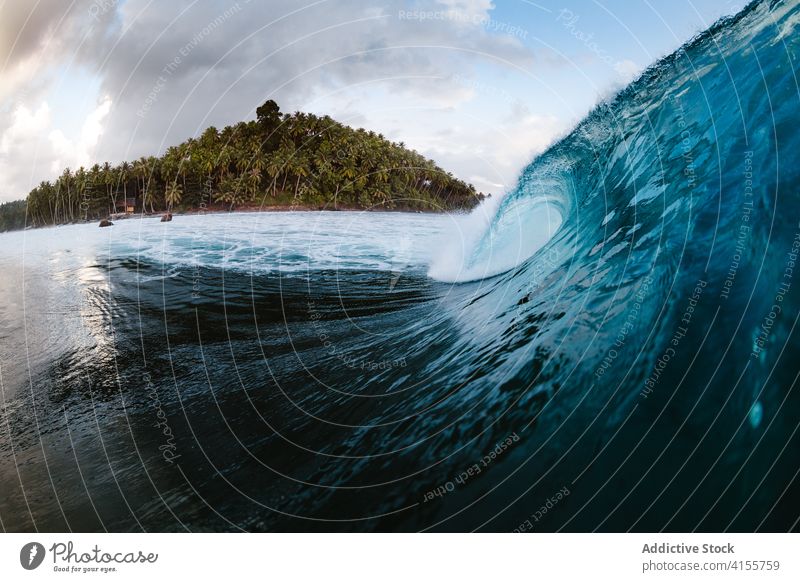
{"x":495,"y":238}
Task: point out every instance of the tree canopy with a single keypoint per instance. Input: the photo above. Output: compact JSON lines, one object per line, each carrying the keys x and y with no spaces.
{"x":299,"y":160}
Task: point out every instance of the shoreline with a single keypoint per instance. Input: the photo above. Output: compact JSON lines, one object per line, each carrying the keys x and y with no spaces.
{"x":267,"y":209}
{"x":215,"y":210}
{"x":220,"y":210}
{"x":245,"y":169}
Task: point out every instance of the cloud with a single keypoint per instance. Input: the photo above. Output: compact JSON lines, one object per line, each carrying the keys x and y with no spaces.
{"x":469,"y":10}
{"x":34,"y":36}
{"x":173,"y":70}
{"x":80,"y":152}
{"x":490,"y":152}
{"x":627,"y":70}
{"x":32,"y":150}
{"x":22,"y":139}
{"x":213,"y":63}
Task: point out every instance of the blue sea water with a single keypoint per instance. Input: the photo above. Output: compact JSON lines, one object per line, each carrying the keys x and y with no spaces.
{"x":612,"y":346}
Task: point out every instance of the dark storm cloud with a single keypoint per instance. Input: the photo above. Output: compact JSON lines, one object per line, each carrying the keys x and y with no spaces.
{"x":26,"y":26}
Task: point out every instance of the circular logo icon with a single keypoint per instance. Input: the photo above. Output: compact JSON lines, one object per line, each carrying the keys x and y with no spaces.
{"x":31,"y":555}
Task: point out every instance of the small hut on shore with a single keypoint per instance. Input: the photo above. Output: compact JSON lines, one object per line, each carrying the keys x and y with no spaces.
{"x":126,"y":206}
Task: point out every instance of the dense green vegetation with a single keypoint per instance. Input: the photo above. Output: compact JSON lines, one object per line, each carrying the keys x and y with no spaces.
{"x":12,"y":215}
{"x":278,"y":160}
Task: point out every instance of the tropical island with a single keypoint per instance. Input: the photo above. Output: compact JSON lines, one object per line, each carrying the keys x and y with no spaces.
{"x":278,"y":161}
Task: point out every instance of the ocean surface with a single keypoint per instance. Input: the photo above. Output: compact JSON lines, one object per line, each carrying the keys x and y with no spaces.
{"x":612,"y":346}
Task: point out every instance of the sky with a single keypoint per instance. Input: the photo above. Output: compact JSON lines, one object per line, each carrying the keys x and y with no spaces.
{"x":480,"y":86}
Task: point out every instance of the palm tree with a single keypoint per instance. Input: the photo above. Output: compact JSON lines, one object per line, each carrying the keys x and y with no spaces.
{"x":250,"y":182}
{"x":153,"y":171}
{"x":124,"y":173}
{"x":108,"y":182}
{"x":231,"y":192}
{"x":149,"y":198}
{"x":274,"y":167}
{"x":173,"y":194}
{"x":316,"y":157}
{"x":140,"y":171}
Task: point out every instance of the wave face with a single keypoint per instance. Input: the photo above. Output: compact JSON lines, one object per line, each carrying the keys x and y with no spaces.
{"x":613,"y":347}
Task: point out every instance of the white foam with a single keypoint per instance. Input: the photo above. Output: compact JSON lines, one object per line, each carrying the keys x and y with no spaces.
{"x":494,"y":238}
